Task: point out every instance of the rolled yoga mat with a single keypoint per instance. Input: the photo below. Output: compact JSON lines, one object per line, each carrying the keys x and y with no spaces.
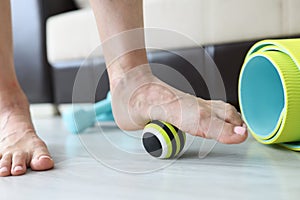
{"x":269,"y":92}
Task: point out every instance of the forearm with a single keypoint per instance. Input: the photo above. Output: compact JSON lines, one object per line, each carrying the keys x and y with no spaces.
{"x":120,"y":25}
{"x":7,"y":74}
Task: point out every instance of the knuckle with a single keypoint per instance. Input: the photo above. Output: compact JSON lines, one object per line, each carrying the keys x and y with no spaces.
{"x":4,"y":163}
{"x":18,"y":154}
{"x":7,"y":155}
{"x":39,"y":143}
{"x":231,"y":110}
{"x":229,"y":106}
{"x":230,"y":113}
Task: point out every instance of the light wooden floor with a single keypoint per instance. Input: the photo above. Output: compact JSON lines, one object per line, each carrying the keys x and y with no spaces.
{"x":112,"y":165}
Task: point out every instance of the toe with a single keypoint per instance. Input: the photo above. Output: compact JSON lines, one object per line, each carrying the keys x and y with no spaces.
{"x":5,"y":165}
{"x":41,"y":159}
{"x":19,"y":163}
{"x":228,"y":113}
{"x":232,"y":134}
{"x":41,"y":163}
{"x":227,"y":133}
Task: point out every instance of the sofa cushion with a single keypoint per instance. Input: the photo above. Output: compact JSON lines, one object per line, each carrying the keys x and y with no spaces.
{"x":82,"y":3}
{"x":73,"y":35}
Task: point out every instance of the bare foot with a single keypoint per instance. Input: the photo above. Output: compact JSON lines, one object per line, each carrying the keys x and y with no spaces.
{"x":20,"y":147}
{"x":138,"y":97}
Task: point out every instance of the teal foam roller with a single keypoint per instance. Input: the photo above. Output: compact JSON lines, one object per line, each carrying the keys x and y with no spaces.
{"x":77,"y":118}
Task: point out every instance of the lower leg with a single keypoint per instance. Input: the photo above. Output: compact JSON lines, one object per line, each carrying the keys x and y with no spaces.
{"x":7,"y":75}
{"x":20,"y":147}
{"x":138,"y":96}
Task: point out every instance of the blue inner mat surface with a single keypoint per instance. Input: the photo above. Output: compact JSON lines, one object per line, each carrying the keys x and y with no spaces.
{"x":262,"y":95}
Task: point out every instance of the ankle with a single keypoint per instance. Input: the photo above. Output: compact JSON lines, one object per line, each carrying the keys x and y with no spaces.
{"x":138,"y":74}
{"x":12,"y":98}
{"x":127,"y":63}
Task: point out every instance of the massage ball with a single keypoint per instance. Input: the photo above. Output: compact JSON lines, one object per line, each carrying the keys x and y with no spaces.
{"x":163,"y":140}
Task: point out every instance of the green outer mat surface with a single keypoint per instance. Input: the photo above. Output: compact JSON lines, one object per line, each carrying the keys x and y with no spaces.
{"x":269,"y":92}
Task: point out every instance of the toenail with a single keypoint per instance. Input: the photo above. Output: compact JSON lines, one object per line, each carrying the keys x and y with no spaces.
{"x":240,"y":130}
{"x":45,"y":157}
{"x":18,"y":168}
{"x":3,"y":170}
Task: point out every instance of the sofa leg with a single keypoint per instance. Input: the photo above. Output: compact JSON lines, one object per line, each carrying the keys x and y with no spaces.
{"x":56,"y":110}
